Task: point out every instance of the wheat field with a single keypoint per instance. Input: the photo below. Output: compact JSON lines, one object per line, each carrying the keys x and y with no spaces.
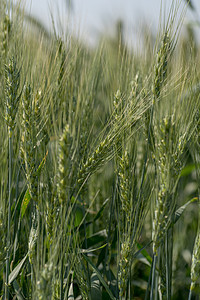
{"x":100,"y":156}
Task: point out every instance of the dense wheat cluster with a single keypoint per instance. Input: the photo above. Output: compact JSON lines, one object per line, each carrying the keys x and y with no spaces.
{"x":100,"y":156}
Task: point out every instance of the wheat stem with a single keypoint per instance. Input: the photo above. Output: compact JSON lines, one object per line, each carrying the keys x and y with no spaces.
{"x":153,"y":276}
{"x":9,"y":215}
{"x":11,"y":104}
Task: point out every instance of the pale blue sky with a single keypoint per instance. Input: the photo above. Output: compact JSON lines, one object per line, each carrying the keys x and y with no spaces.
{"x":91,"y":17}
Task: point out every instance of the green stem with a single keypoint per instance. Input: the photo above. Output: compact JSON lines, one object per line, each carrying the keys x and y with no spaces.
{"x":61,"y":282}
{"x":62,"y":258}
{"x":190,"y":295}
{"x":153,"y":276}
{"x":169,"y":250}
{"x":149,"y":281}
{"x":157,"y":277}
{"x":9,"y":212}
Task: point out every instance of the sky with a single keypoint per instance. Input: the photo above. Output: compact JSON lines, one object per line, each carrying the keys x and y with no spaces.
{"x":92,"y":17}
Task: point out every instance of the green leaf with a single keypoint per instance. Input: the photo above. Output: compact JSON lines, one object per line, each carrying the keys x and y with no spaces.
{"x":25,"y":202}
{"x":142,"y":251}
{"x":100,"y":212}
{"x":178,"y":213}
{"x":188,"y":170}
{"x":140,"y":283}
{"x":71,"y":292}
{"x":17,"y":290}
{"x":27,"y":196}
{"x":78,"y":216}
{"x":101,"y":256}
{"x":96,"y":238}
{"x":100,"y":277}
{"x":42,"y":164}
{"x":96,"y":293}
{"x":92,"y":250}
{"x":143,"y":259}
{"x":16,"y":270}
{"x":112,"y":282}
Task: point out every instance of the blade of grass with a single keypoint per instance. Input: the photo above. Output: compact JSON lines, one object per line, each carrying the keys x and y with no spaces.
{"x":100,"y":277}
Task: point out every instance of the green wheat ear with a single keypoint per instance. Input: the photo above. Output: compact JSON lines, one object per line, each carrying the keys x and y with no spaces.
{"x":28,"y":142}
{"x":63,"y":166}
{"x":12,"y":81}
{"x":160,"y":68}
{"x":6,"y":29}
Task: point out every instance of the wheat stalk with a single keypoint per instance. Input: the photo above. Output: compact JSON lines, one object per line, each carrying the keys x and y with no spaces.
{"x":12,"y":80}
